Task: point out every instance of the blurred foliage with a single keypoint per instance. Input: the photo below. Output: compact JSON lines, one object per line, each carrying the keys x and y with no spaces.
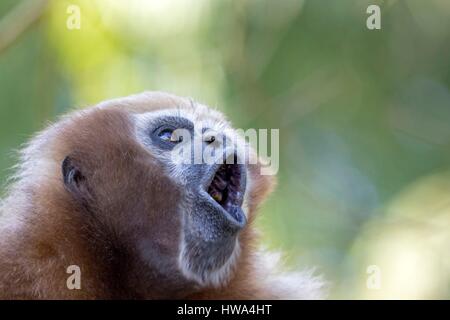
{"x":363,"y":115}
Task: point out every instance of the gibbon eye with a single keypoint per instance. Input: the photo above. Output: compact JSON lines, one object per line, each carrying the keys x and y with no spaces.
{"x":165,"y":134}
{"x":169,"y":135}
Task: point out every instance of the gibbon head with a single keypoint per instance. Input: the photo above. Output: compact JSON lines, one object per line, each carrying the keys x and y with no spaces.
{"x":182,"y":222}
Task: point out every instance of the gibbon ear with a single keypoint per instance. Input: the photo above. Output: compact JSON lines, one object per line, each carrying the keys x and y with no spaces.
{"x":74,"y":180}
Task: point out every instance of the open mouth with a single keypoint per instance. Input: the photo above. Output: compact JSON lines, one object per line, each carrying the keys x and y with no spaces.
{"x":212,"y":225}
{"x":227,"y":189}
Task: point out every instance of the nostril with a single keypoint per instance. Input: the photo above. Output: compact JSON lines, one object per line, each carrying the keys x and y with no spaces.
{"x":210,"y":139}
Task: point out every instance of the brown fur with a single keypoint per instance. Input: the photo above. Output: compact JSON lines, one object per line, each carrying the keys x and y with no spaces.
{"x":44,"y":229}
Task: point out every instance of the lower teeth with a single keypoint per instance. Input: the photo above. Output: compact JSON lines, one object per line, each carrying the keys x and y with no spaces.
{"x":217,"y":196}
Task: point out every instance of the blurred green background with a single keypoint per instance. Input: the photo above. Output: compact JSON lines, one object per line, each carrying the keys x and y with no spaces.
{"x":364,"y":116}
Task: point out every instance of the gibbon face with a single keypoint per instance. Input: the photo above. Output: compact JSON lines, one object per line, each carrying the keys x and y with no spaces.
{"x":178,"y":222}
{"x":151,"y":196}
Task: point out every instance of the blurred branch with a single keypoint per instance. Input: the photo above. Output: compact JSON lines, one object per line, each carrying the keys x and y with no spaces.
{"x":19,"y":20}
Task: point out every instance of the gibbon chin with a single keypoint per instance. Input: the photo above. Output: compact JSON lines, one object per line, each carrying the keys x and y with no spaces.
{"x":100,"y":190}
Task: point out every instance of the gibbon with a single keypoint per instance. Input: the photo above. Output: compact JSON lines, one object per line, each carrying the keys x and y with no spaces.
{"x":100,"y":190}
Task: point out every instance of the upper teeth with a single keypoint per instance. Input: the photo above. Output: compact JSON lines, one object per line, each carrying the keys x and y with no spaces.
{"x":219,"y":183}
